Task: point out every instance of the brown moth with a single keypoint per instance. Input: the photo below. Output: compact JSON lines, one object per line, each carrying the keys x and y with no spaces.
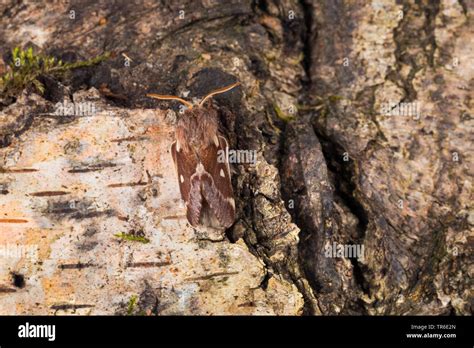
{"x":204,"y":182}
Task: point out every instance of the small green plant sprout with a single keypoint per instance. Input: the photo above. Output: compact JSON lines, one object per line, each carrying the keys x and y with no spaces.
{"x":321,"y":103}
{"x":132,"y":304}
{"x":27,"y":66}
{"x":132,"y":237}
{"x":281,"y":115}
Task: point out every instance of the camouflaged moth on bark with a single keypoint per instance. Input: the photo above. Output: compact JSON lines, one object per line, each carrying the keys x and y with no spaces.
{"x":204,"y":182}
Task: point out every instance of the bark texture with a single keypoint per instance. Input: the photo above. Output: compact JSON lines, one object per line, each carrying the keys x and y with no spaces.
{"x":332,"y":167}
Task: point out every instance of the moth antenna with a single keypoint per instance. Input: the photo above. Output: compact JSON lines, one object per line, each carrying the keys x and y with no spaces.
{"x":170,"y":97}
{"x":218,"y":91}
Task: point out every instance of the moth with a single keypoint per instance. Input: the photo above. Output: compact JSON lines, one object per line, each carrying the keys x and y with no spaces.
{"x":204,"y":178}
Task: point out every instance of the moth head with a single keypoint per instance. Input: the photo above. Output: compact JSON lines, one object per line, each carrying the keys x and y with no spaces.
{"x":190,"y":105}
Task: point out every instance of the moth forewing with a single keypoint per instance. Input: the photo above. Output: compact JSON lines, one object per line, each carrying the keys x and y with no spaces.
{"x":225,"y":145}
{"x":184,"y":170}
{"x":194,"y":202}
{"x":216,"y":180}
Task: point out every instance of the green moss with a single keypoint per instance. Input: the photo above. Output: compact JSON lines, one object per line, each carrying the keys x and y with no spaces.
{"x":132,"y":304}
{"x":281,"y":114}
{"x":132,"y":237}
{"x":27,"y":66}
{"x":335,"y":98}
{"x":322,"y":105}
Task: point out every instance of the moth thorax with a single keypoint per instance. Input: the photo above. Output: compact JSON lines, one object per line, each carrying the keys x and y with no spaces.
{"x":198,"y":127}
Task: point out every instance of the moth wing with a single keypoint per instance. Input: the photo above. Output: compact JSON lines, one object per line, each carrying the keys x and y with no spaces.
{"x":189,"y":182}
{"x":216,"y":181}
{"x":195,"y":201}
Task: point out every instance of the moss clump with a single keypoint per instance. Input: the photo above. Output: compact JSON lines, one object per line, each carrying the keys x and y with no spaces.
{"x":132,"y":237}
{"x":27,"y":66}
{"x":132,"y":304}
{"x":132,"y":307}
{"x":281,"y":115}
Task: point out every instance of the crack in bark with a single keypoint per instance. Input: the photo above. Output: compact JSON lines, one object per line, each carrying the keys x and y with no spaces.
{"x":308,"y":37}
{"x":408,"y":45}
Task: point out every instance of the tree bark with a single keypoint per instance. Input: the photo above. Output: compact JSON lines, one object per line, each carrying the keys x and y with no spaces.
{"x":336,"y":165}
